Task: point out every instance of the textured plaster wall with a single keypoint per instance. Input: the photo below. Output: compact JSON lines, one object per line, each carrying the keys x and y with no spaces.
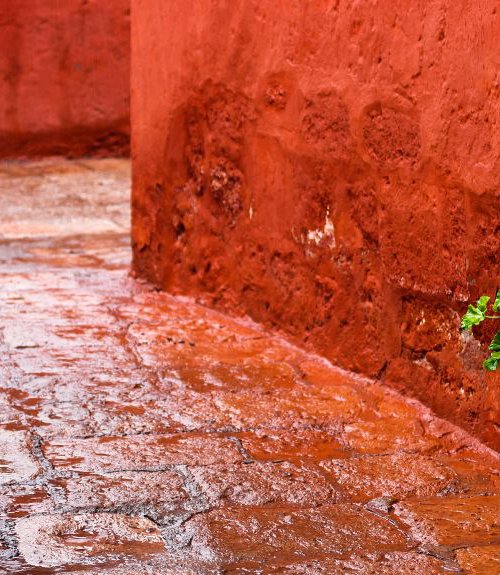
{"x":331,"y":169}
{"x":64,"y":77}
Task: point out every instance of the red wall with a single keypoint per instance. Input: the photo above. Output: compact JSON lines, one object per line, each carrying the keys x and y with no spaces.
{"x":64,"y":77}
{"x":330,"y":168}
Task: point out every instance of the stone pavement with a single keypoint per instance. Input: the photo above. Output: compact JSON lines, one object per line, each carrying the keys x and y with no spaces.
{"x":141,"y":433}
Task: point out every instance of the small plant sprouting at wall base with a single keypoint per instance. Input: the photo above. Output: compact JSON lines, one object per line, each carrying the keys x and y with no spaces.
{"x":477,"y":314}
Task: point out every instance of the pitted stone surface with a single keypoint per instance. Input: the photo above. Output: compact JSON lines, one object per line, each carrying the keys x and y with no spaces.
{"x":145,"y":434}
{"x":400,"y":475}
{"x":141,"y":452}
{"x":17,"y":463}
{"x":51,"y":541}
{"x":394,"y":563}
{"x":256,"y":536}
{"x":454,"y":521}
{"x":254,"y":483}
{"x":480,"y":560}
{"x":161,"y":495}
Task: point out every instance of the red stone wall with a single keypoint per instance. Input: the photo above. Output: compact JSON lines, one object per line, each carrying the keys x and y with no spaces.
{"x":64,"y":77}
{"x":331,"y":169}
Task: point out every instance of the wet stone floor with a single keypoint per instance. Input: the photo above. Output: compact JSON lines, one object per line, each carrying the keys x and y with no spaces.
{"x":140,"y":433}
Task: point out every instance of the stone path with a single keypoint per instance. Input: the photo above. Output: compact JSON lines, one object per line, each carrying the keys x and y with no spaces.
{"x":140,"y":433}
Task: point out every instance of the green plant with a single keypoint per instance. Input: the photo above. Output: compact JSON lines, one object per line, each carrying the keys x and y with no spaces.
{"x":477,"y":314}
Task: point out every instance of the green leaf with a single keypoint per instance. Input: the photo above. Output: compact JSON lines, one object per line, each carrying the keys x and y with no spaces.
{"x":495,"y":344}
{"x":482,"y":303}
{"x":496,"y":304}
{"x":475,"y":314}
{"x":490,"y":364}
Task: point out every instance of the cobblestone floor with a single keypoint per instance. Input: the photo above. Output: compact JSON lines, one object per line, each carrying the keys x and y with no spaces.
{"x":140,"y":433}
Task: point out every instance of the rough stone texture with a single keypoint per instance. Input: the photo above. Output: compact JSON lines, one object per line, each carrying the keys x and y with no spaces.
{"x":64,"y":540}
{"x":253,"y":483}
{"x":134,"y":453}
{"x":367,"y":478}
{"x":480,"y":560}
{"x":16,"y":460}
{"x":330,"y":170}
{"x":454,"y":521}
{"x":64,"y":77}
{"x":257,"y":536}
{"x":160,"y":495}
{"x":395,"y":563}
{"x":142,"y":433}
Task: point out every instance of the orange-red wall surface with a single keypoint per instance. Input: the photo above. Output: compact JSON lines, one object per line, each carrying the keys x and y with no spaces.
{"x":64,"y":77}
{"x":330,"y":168}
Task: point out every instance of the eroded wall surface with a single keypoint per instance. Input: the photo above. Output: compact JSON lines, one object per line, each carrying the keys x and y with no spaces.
{"x":64,"y":77}
{"x":331,"y":169}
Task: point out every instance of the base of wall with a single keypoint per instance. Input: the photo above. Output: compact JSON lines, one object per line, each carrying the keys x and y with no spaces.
{"x":97,"y":141}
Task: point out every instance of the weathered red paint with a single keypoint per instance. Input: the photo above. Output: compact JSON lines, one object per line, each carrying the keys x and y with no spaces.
{"x":64,"y":77}
{"x":331,"y":169}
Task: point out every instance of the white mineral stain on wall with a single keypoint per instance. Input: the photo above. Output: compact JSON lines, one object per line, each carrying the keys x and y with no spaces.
{"x":323,"y":235}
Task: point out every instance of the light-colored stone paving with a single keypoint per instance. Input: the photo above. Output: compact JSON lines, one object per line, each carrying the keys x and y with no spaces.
{"x":140,"y":433}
